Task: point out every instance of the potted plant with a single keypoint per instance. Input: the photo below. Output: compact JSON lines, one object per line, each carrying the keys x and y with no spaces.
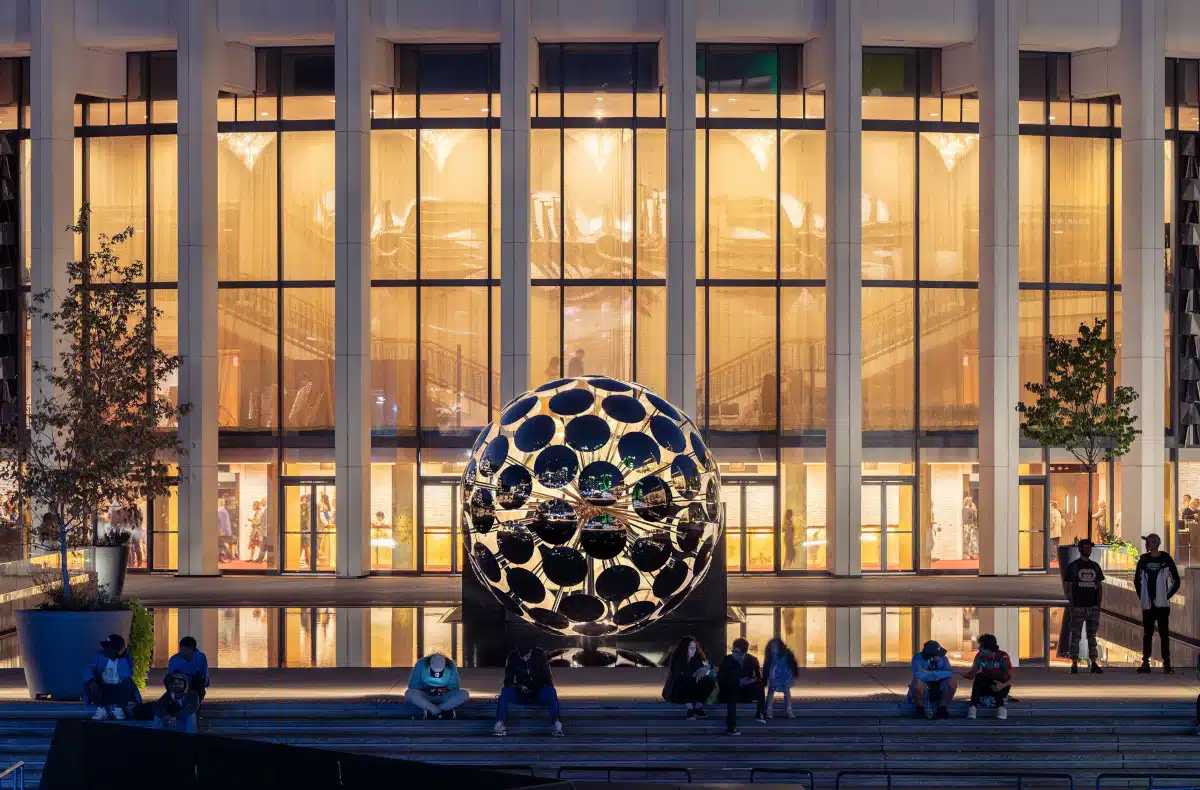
{"x":94,"y":440}
{"x":1081,"y":409}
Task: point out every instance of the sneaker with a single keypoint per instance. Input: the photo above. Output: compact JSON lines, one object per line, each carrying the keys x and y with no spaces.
{"x":1074,"y":667}
{"x":761,"y":719}
{"x":1096,"y":669}
{"x":1144,"y":669}
{"x":499,"y":730}
{"x":426,"y":715}
{"x":701,"y":713}
{"x":1167,"y":670}
{"x":971,"y":712}
{"x":1002,"y":712}
{"x":943,"y":712}
{"x":691,"y":714}
{"x":118,"y":714}
{"x":791,"y":714}
{"x":734,"y":731}
{"x":100,"y":715}
{"x":770,"y":714}
{"x":557,"y":731}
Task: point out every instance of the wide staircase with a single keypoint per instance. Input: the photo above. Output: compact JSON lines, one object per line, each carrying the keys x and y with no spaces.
{"x":1038,"y":741}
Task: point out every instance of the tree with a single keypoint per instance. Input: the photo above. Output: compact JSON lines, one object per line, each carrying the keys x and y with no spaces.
{"x":1073,"y":408}
{"x":97,"y":426}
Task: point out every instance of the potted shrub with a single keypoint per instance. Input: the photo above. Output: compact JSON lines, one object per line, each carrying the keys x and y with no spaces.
{"x":94,"y":440}
{"x":1075,"y":411}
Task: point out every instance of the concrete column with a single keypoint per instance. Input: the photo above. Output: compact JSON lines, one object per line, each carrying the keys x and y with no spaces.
{"x":201,"y":624}
{"x":518,"y":61}
{"x":842,"y":55}
{"x":52,"y":84}
{"x":997,"y":59}
{"x":353,"y":48}
{"x":1004,"y":623}
{"x":843,"y":636}
{"x":1140,"y":77}
{"x":353,"y":632}
{"x":199,"y":82}
{"x":680,"y":46}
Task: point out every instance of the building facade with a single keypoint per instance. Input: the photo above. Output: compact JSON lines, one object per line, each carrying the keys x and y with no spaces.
{"x":836,"y":232}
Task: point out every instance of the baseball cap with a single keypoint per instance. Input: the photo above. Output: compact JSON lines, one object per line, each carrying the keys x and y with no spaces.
{"x":115,"y":641}
{"x":1153,"y":536}
{"x":932,"y":648}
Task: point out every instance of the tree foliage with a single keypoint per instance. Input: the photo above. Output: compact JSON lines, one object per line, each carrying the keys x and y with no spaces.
{"x":1074,"y":409}
{"x":98,"y":432}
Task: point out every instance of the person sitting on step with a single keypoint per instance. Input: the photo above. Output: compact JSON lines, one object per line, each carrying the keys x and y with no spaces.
{"x":527,"y":681}
{"x":434,"y":688}
{"x":690,"y":678}
{"x":933,"y":684}
{"x":177,"y":708}
{"x":740,"y":679}
{"x":108,"y":680}
{"x":193,"y":664}
{"x":991,"y":675}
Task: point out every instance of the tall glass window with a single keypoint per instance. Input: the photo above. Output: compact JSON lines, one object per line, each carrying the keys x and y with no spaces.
{"x":435,"y":291}
{"x":760,"y":305}
{"x":127,"y":173}
{"x":598,"y":213}
{"x":920,"y":316}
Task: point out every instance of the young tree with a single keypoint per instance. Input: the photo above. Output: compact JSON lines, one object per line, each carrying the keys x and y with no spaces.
{"x":97,"y":424}
{"x":1073,"y":409}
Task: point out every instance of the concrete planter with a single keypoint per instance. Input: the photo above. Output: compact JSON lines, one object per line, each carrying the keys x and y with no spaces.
{"x":56,"y":646}
{"x":111,"y":562}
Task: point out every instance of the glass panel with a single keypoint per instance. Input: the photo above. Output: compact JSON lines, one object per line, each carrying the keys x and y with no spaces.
{"x":889,"y":86}
{"x":760,"y":528}
{"x":701,"y":204}
{"x":1078,"y":210}
{"x":164,"y":206}
{"x":166,"y":338}
{"x":598,"y":80}
{"x":598,"y":331}
{"x":326,"y":537}
{"x":731,"y":498}
{"x":888,"y":187}
{"x":393,"y":204}
{"x":394,"y":359}
{"x":898,"y":506}
{"x":802,"y":204}
{"x":742,"y":221}
{"x":1188,"y":537}
{"x":599,"y":202}
{"x":1118,"y":225}
{"x":949,"y":516}
{"x":545,"y":184}
{"x":117,"y":193}
{"x":651,"y":338}
{"x":949,"y":358}
{"x":247,"y":350}
{"x":495,"y":269}
{"x":742,"y":347}
{"x":652,"y":203}
{"x":742,"y":80}
{"x":888,"y":358}
{"x":802,"y":350}
{"x":393,"y":503}
{"x":437,"y":526}
{"x":802,"y":534}
{"x":308,"y":358}
{"x":545,"y":342}
{"x":949,"y":206}
{"x":247,"y":186}
{"x":298,"y":526}
{"x":25,"y":205}
{"x":247,"y":529}
{"x":871,"y":531}
{"x":1031,"y":334}
{"x":454,"y":203}
{"x":1032,"y":208}
{"x":308,"y":206}
{"x":1068,"y":505}
{"x":455,"y":376}
{"x":166,"y":531}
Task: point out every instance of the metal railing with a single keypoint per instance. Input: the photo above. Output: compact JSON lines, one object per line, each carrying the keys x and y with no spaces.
{"x":608,"y":770}
{"x":1148,"y":778}
{"x":777,"y":772}
{"x":1021,"y":778}
{"x":15,"y":774}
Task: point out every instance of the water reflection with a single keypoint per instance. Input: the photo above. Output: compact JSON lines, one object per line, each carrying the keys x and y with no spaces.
{"x":305,"y":637}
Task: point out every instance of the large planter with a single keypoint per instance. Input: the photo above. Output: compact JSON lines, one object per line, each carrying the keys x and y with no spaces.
{"x":56,"y":646}
{"x":111,"y":562}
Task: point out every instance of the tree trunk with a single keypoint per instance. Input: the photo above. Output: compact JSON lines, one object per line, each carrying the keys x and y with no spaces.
{"x":1091,"y":473}
{"x":63,"y":559}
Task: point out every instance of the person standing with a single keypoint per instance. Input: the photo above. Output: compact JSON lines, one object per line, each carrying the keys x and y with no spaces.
{"x":575,"y":363}
{"x":1156,"y":580}
{"x":1056,"y":528}
{"x":780,"y":668}
{"x":225,"y":531}
{"x":1084,"y":590}
{"x":740,"y":679}
{"x":789,"y":540}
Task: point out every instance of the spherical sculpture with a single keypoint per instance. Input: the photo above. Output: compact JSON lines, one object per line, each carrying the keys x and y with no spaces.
{"x":592,"y":507}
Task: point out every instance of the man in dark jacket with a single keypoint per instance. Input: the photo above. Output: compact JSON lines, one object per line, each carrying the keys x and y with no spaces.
{"x":176,"y":709}
{"x":740,"y":679}
{"x":1156,"y":580}
{"x":527,"y":681}
{"x":1084,"y":588}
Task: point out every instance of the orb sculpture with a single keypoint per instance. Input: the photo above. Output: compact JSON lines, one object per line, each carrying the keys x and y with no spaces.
{"x":592,"y":507}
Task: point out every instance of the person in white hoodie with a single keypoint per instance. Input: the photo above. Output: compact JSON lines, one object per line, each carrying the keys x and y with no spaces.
{"x":1156,"y":580}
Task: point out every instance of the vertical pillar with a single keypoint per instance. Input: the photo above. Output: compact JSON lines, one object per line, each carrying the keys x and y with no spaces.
{"x":843,"y":636}
{"x":680,"y":46}
{"x":200,"y":624}
{"x":518,"y":58}
{"x":199,"y":81}
{"x":353,"y":48}
{"x":997,"y":63}
{"x":1140,"y":74}
{"x":1003,"y":622}
{"x":352,"y":629}
{"x":843,"y":282}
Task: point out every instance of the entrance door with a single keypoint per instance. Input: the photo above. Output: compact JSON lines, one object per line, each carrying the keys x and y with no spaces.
{"x":1031,"y":525}
{"x":749,"y":526}
{"x":440,"y":534}
{"x":887,"y":525}
{"x":309,"y":529}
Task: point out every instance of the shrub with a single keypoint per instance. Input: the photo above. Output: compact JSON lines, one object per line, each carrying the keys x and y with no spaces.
{"x":141,"y":643}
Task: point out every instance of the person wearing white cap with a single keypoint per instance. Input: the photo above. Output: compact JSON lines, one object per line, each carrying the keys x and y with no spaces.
{"x":1156,"y":580}
{"x":433,"y":687}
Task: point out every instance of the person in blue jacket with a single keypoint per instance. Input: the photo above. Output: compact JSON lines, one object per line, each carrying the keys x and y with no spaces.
{"x":108,"y":680}
{"x":193,"y":664}
{"x":932,"y":676}
{"x":433,"y":687}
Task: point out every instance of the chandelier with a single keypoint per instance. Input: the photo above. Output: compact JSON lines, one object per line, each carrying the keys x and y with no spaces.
{"x":247,"y":146}
{"x":951,"y":147}
{"x":440,"y":143}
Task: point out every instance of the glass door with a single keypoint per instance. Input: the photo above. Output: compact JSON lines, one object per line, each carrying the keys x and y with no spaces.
{"x":749,"y":526}
{"x":886,"y":536}
{"x":309,"y":527}
{"x":1031,"y":525}
{"x":440,"y":527}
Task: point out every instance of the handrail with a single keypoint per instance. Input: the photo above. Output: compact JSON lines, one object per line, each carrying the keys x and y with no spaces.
{"x":17,"y":772}
{"x":812,"y":782}
{"x":608,"y":769}
{"x":1020,"y":777}
{"x":1148,"y":777}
